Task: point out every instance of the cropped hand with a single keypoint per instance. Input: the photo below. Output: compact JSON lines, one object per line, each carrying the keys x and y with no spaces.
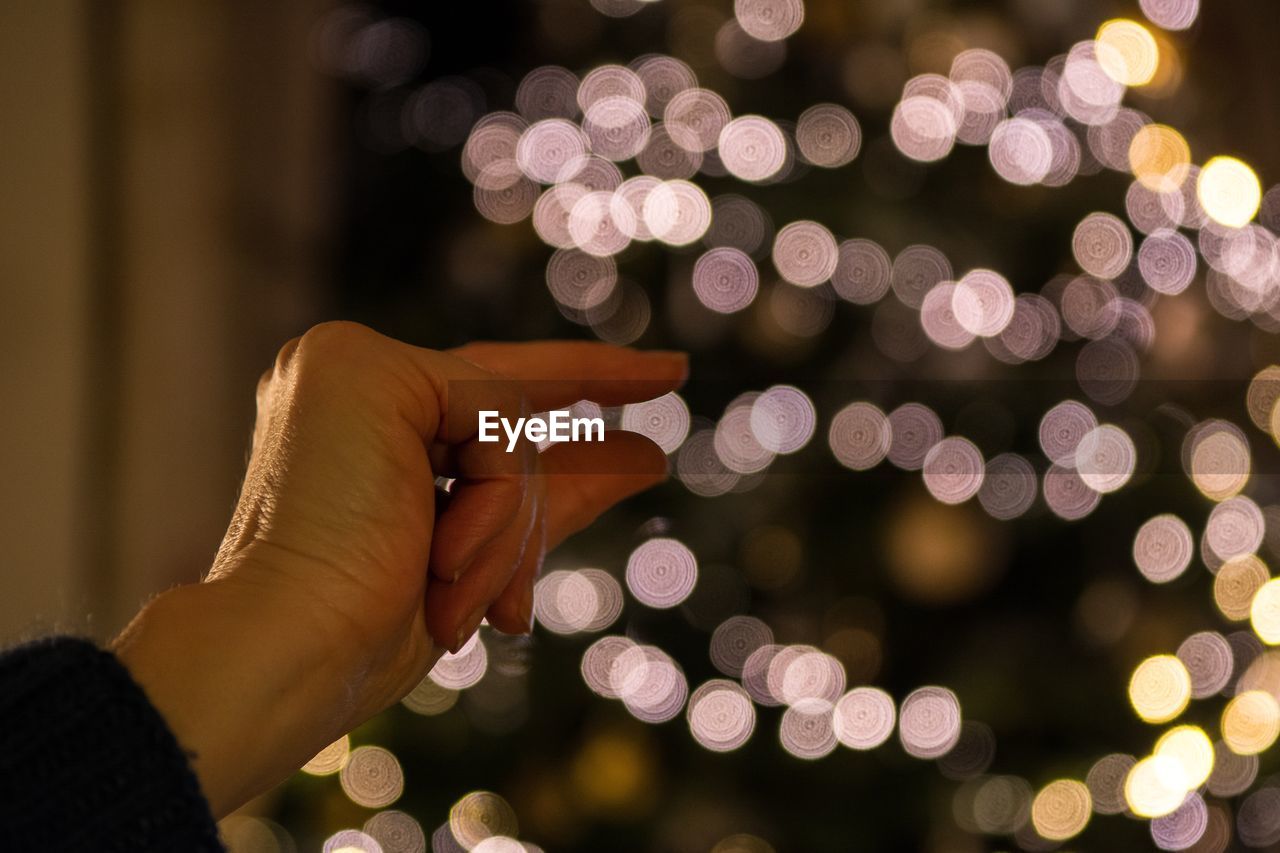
{"x":339,"y":582}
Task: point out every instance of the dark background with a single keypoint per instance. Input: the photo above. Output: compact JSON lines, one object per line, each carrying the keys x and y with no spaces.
{"x":190,"y":184}
{"x":412,"y":258}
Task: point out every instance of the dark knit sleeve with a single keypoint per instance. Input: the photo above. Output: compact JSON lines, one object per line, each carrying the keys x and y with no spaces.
{"x":86,"y":762}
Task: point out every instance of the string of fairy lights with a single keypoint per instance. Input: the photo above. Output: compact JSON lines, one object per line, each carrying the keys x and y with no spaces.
{"x":555,"y":161}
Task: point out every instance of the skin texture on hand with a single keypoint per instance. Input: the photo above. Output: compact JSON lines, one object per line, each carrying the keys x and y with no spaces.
{"x":339,"y":584}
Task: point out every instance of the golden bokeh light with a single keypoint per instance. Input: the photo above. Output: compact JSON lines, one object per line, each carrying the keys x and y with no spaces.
{"x":613,"y":774}
{"x":1160,"y":688}
{"x":1260,"y":399}
{"x":1061,"y":810}
{"x":940,"y":553}
{"x":372,"y":777}
{"x":1263,"y":673}
{"x":1127,"y":52}
{"x":1159,"y":157}
{"x":1264,"y":613}
{"x":1169,"y":72}
{"x":1273,"y":410}
{"x":1236,"y":584}
{"x":1251,"y":722}
{"x":1220,"y":463}
{"x":1229,"y":191}
{"x":1155,"y":786}
{"x":479,"y":815}
{"x":331,"y":759}
{"x":1192,"y":749}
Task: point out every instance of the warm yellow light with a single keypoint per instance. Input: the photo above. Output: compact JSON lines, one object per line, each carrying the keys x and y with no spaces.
{"x":480,"y":815}
{"x":1061,"y":810}
{"x":1265,"y":613}
{"x":613,"y":773}
{"x":1192,"y":749}
{"x":1220,"y":465}
{"x":1159,"y":157}
{"x":1260,"y":399}
{"x":1229,"y":191}
{"x":1155,"y":786}
{"x":1160,"y":688}
{"x":1168,"y":76}
{"x":1236,"y":584}
{"x":1127,"y":52}
{"x":1251,"y":722}
{"x":331,"y":759}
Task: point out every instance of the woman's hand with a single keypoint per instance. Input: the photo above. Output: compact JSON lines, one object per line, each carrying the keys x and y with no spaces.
{"x":338,"y":584}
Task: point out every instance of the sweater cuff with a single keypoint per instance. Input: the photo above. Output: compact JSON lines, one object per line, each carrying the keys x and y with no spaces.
{"x":88,"y":762}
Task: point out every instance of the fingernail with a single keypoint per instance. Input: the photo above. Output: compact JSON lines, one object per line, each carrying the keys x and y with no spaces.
{"x":526,"y":610}
{"x":469,"y":626}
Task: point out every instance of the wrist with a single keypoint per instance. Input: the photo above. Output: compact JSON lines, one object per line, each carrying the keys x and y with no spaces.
{"x":241,"y":685}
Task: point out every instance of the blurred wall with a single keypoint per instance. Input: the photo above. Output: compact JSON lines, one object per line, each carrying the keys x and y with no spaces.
{"x":43,"y":309}
{"x":168,"y":234}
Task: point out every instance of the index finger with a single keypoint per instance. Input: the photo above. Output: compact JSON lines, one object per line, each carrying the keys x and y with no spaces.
{"x":552,"y":374}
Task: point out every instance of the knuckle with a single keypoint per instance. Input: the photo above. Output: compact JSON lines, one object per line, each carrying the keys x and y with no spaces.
{"x":329,"y":353}
{"x":335,"y":337}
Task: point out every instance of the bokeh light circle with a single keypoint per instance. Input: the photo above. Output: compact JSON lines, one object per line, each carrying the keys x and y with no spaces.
{"x":1229,"y":191}
{"x":783,"y":419}
{"x":725,"y":279}
{"x":923,"y":128}
{"x":1021,"y":151}
{"x":1106,"y":458}
{"x":769,"y":20}
{"x":1102,"y":245}
{"x":1009,"y":486}
{"x":953,"y":470}
{"x":1160,"y":688}
{"x":914,"y":429}
{"x":695,"y":118}
{"x":828,"y":135}
{"x":983,"y":302}
{"x":806,"y":729}
{"x":1167,"y":261}
{"x":372,"y":777}
{"x":863,"y":718}
{"x":862,"y":272}
{"x":662,"y":572}
{"x":735,"y":640}
{"x":480,"y":815}
{"x":1062,"y":429}
{"x":1171,"y":14}
{"x":1162,"y":548}
{"x":752,"y":148}
{"x":859,"y":436}
{"x":929,"y":722}
{"x":720,"y":715}
{"x":805,"y":252}
{"x":1061,"y":809}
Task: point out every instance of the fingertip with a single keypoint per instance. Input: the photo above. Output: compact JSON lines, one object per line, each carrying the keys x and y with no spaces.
{"x":675,"y":363}
{"x":506,"y":617}
{"x":438,"y":618}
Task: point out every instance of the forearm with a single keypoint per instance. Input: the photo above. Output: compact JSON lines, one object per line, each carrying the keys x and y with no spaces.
{"x":244,"y":691}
